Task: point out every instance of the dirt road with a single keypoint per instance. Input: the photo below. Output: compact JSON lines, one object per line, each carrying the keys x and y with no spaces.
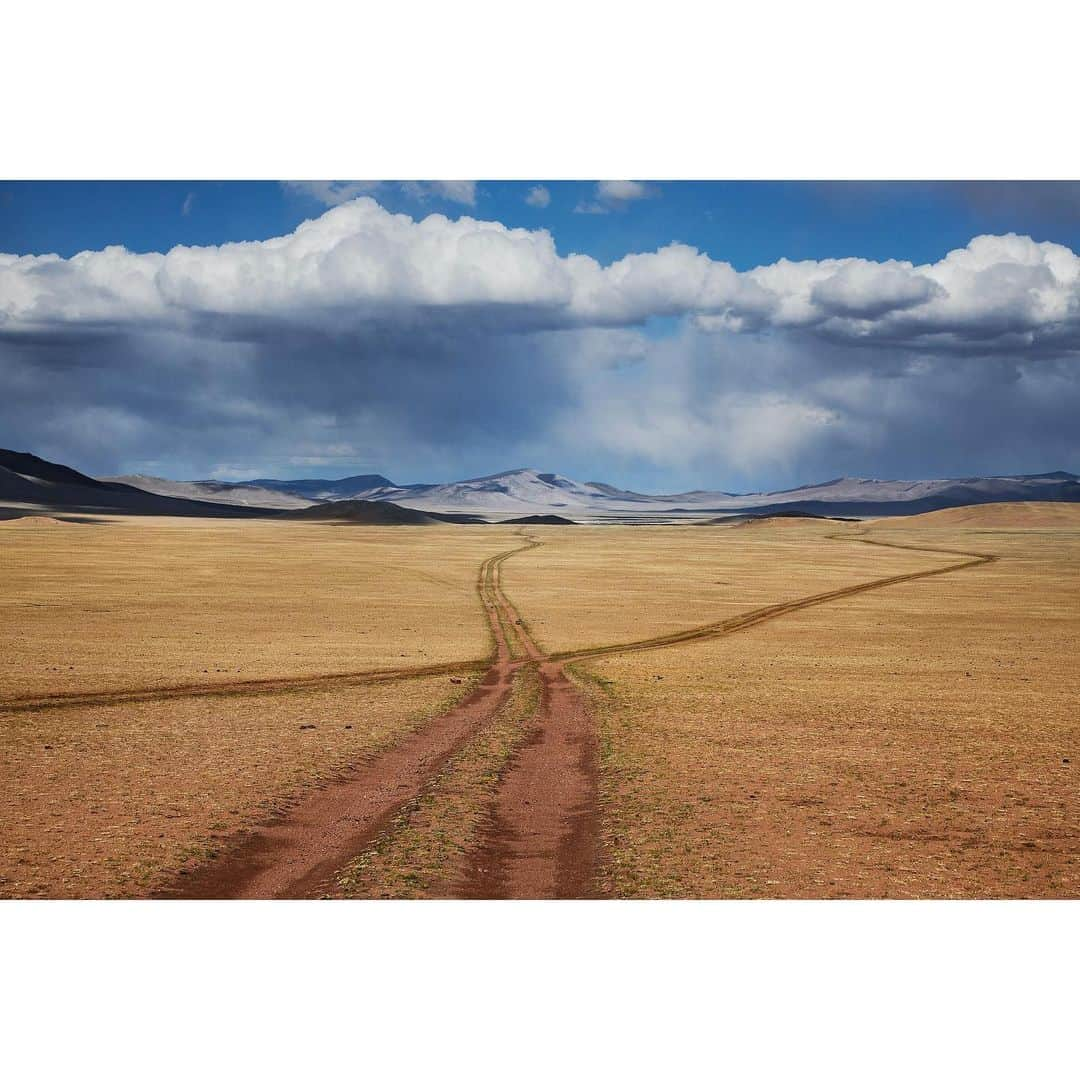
{"x":296,"y":856}
{"x":541,"y":839}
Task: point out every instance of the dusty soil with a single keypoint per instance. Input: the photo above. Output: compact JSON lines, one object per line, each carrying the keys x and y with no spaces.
{"x":425,"y":851}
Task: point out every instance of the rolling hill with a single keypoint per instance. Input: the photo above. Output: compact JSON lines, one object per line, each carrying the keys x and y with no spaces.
{"x":364,"y":512}
{"x":29,"y":484}
{"x":1010,"y":515}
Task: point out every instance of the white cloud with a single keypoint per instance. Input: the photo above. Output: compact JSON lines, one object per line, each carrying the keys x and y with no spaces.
{"x":622,"y":190}
{"x":336,"y":192}
{"x":189,"y":202}
{"x":693,"y":402}
{"x":333,"y":192}
{"x":615,"y":195}
{"x":460,"y":191}
{"x":358,"y":264}
{"x":863,"y":290}
{"x":538,"y":196}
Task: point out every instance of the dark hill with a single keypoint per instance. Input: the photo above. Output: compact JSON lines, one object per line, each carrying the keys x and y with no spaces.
{"x":31,"y":466}
{"x":26,"y":478}
{"x":748,"y":518}
{"x":539,"y":519}
{"x":361,"y":512}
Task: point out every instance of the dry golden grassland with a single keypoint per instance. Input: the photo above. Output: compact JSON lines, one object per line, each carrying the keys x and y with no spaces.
{"x":917,"y":741}
{"x":143,"y":602}
{"x":588,"y":586}
{"x":108,"y":799}
{"x":113,"y":800}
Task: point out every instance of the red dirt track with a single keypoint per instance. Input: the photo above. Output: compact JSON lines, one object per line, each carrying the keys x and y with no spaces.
{"x":297,"y":856}
{"x":541,"y":841}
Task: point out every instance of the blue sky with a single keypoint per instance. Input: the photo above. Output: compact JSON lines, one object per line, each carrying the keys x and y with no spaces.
{"x":745,"y":223}
{"x":436,"y":350}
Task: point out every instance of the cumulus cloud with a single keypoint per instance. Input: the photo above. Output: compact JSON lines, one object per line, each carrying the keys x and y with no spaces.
{"x":359,"y":264}
{"x":861,"y":290}
{"x":538,"y":196}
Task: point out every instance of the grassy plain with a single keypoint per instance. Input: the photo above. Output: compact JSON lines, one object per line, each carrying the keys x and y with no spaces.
{"x":598,"y":585}
{"x":108,"y":799}
{"x":114,"y":800}
{"x":145,"y":602}
{"x":917,"y":741}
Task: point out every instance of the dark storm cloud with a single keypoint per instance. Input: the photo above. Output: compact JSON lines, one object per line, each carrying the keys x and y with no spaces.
{"x":772,"y":410}
{"x":387,"y":397}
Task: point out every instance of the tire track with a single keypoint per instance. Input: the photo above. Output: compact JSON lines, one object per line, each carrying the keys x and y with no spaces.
{"x":513,"y":639}
{"x":298,"y":855}
{"x":245,"y":688}
{"x":774,"y":611}
{"x":487,"y":584}
{"x":542,"y":839}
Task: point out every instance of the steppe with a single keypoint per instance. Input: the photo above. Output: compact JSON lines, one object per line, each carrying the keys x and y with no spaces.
{"x":794,"y":708}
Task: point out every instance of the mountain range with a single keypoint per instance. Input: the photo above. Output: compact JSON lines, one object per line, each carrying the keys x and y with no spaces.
{"x":27,"y":481}
{"x":529,"y":491}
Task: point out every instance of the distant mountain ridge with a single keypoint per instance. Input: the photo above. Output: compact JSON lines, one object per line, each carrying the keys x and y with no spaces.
{"x":29,"y":480}
{"x":526,"y":492}
{"x":349,"y":487}
{"x":214,"y":491}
